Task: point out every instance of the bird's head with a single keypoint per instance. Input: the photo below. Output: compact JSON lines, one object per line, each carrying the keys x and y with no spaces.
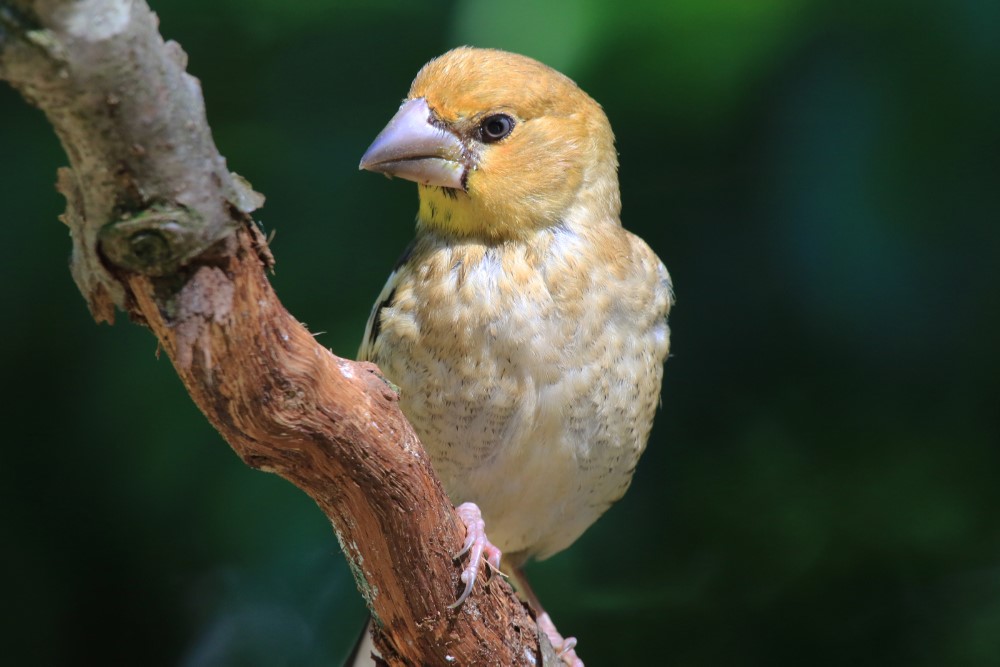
{"x":500,"y":145}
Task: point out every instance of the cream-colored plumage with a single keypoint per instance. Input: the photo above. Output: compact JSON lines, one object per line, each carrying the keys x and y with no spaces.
{"x":525,"y":327}
{"x":530,"y":374}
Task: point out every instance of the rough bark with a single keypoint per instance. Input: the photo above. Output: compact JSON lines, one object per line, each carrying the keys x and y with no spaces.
{"x":162,"y":230}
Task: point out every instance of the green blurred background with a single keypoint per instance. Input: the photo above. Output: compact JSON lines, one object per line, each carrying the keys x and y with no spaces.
{"x":822,"y":179}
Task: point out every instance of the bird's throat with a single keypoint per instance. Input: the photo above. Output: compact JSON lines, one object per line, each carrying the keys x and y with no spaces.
{"x":463,"y":215}
{"x":448,"y":211}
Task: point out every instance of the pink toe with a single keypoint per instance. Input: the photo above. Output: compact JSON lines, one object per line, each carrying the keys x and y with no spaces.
{"x":565,"y":648}
{"x":477,"y":545}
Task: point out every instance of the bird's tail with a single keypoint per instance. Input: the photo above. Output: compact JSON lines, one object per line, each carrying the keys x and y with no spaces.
{"x":364,"y":654}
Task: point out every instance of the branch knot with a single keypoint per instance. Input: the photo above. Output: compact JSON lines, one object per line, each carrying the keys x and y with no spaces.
{"x":155,"y":242}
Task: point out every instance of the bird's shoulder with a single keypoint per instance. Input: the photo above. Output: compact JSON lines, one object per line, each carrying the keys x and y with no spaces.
{"x":605,"y":264}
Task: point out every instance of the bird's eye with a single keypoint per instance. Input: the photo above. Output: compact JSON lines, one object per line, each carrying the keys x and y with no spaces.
{"x":495,"y":127}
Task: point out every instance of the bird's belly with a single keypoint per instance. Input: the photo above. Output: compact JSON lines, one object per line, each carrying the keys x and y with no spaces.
{"x":508,"y":446}
{"x":543,"y":434}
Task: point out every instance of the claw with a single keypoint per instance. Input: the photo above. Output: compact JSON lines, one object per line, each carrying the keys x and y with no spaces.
{"x":476,"y":544}
{"x":565,"y":648}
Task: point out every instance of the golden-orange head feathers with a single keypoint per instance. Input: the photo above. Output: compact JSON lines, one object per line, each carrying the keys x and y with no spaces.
{"x":501,"y":145}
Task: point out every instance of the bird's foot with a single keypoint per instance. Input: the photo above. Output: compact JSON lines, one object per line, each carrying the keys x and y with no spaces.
{"x":565,"y":648}
{"x":477,"y":545}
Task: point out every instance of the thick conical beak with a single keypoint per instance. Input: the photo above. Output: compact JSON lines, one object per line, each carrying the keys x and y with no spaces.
{"x":412,"y":147}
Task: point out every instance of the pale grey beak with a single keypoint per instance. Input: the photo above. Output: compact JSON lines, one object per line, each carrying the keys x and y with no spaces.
{"x":412,"y":147}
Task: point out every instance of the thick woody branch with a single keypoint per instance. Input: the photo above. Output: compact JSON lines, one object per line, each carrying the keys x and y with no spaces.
{"x":162,"y":230}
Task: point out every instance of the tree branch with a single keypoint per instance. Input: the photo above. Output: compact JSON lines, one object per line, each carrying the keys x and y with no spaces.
{"x":162,"y":230}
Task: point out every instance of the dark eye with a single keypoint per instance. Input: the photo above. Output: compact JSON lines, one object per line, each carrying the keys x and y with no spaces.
{"x":496,"y":127}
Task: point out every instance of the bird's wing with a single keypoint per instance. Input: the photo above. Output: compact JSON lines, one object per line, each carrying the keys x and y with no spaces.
{"x":367,"y":350}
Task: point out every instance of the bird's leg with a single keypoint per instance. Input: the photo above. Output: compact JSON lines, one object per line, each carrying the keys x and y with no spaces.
{"x":565,"y":647}
{"x":476,"y":544}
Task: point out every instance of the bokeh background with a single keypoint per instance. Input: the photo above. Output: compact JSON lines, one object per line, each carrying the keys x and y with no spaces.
{"x":822,"y":179}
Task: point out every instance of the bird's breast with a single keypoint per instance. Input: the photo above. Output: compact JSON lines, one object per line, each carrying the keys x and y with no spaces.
{"x":531,"y":375}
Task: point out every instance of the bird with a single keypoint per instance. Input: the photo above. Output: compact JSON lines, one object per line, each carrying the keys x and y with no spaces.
{"x":525,"y":328}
